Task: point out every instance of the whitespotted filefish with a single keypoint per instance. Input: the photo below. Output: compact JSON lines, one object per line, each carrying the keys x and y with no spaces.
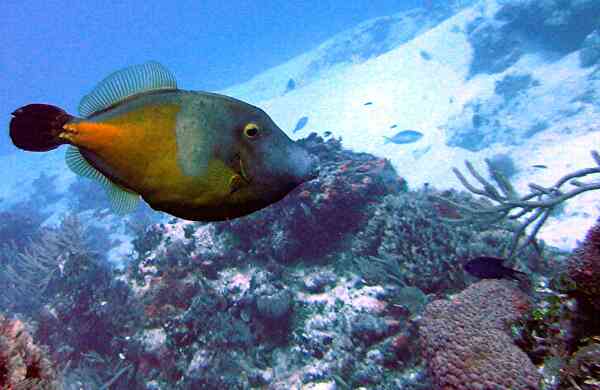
{"x":195,"y":155}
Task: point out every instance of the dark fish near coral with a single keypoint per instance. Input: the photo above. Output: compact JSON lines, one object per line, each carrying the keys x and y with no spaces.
{"x":301,"y":123}
{"x":486,"y":267}
{"x":327,"y":134}
{"x":196,"y":155}
{"x":404,"y":137}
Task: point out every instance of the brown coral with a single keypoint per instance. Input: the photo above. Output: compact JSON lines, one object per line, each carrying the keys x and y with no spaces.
{"x":466,"y":342}
{"x":584,"y":266}
{"x":23,"y":364}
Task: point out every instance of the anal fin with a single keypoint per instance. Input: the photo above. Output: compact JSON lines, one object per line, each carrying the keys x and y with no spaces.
{"x":122,"y":200}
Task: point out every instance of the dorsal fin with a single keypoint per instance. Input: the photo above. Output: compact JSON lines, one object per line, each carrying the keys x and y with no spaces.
{"x":125,"y":83}
{"x":121,"y":200}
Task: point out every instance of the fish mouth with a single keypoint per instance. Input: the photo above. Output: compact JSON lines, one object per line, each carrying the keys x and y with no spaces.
{"x":241,"y":178}
{"x":243,"y":171}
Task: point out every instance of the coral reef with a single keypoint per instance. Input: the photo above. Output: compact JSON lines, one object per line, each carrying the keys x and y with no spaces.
{"x":560,"y":335}
{"x":74,"y":299}
{"x":466,"y":341}
{"x":273,"y":321}
{"x":408,"y":242}
{"x":23,"y":364}
{"x":538,"y":205}
{"x":495,"y":47}
{"x":560,"y":25}
{"x":560,"y":332}
{"x":253,"y":303}
{"x":324,"y":209}
{"x":522,"y":26}
{"x":18,"y":226}
{"x":328,"y":288}
{"x":250,"y":328}
{"x":584,"y":266}
{"x":584,"y":367}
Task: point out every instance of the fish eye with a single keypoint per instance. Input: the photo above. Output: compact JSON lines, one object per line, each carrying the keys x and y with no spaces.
{"x":251,"y":130}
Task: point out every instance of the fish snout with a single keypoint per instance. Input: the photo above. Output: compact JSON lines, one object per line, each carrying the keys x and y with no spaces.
{"x":304,"y":165}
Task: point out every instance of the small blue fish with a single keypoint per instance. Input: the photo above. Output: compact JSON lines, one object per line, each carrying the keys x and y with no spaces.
{"x":301,"y":123}
{"x":368,"y":104}
{"x":486,"y":267}
{"x":404,"y":137}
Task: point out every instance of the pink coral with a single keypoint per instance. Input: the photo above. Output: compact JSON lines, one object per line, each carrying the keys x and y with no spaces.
{"x":466,"y":342}
{"x":23,"y":365}
{"x":584,"y":266}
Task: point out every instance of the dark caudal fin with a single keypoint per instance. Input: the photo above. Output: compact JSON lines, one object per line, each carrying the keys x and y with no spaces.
{"x":36,"y":127}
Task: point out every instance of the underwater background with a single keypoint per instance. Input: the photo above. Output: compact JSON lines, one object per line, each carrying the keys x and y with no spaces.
{"x":450,"y":240}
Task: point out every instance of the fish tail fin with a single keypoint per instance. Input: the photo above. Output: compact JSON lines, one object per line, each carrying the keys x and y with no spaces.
{"x":37,"y":127}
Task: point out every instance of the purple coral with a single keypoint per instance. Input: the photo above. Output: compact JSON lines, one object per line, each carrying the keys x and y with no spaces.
{"x":466,"y":343}
{"x":584,"y":266}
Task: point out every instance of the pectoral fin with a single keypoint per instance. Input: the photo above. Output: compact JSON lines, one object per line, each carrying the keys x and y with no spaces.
{"x":235,"y":183}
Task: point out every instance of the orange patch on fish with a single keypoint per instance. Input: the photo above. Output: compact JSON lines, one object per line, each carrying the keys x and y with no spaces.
{"x":134,"y":143}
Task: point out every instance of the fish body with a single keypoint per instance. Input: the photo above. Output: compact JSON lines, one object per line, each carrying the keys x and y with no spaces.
{"x":486,"y":267}
{"x":540,"y":166}
{"x":301,"y":123}
{"x":404,"y":137}
{"x":195,"y":155}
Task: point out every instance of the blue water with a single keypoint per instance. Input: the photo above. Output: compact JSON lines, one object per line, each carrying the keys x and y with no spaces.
{"x":57,"y":51}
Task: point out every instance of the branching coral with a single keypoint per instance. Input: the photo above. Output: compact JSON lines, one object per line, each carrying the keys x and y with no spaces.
{"x":80,"y":308}
{"x":407,"y":242}
{"x":466,"y":342}
{"x":23,"y":365}
{"x":535,"y":207}
{"x":55,"y":256}
{"x":28,"y":272}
